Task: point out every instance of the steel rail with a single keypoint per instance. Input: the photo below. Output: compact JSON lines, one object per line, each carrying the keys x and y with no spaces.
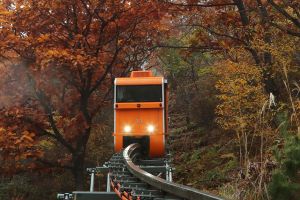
{"x":178,"y":190}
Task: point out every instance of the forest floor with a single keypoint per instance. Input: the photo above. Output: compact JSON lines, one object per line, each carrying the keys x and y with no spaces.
{"x":203,"y":158}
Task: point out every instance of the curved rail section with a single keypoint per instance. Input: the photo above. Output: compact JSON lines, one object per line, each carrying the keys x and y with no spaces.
{"x":129,"y":181}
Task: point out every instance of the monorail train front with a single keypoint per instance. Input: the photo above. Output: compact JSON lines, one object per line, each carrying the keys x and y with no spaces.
{"x":140,"y":112}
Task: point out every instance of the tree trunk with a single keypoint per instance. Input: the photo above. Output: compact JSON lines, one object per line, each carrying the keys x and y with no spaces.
{"x":270,"y":84}
{"x":78,"y":171}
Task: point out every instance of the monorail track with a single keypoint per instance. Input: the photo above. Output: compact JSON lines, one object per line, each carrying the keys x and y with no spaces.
{"x":133,"y":178}
{"x":131,"y":182}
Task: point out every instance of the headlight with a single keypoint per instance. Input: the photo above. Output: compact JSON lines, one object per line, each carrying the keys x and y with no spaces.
{"x":150,"y":128}
{"x":127,"y":129}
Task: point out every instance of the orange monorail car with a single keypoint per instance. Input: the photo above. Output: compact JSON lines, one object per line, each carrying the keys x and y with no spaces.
{"x":140,"y":112}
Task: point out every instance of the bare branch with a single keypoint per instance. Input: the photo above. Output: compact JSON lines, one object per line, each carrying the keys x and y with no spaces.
{"x":48,"y":110}
{"x":204,"y":5}
{"x":294,"y":20}
{"x":206,"y":48}
{"x":285,"y":30}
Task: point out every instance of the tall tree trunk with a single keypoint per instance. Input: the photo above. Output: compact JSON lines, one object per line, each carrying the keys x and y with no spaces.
{"x":78,"y":170}
{"x":246,"y":21}
{"x":243,"y":12}
{"x":270,"y":84}
{"x":79,"y":160}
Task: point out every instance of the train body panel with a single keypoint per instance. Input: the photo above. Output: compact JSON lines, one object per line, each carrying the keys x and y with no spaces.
{"x":139,"y":119}
{"x":140,"y":112}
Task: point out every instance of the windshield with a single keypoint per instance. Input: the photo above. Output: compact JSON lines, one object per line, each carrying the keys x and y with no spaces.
{"x":139,"y":93}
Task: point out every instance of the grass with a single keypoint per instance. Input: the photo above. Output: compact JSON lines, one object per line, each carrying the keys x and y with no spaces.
{"x":202,"y":166}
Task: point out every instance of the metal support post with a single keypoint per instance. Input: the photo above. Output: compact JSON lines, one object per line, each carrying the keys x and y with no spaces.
{"x":170,"y":175}
{"x":92,"y":180}
{"x":167,"y":171}
{"x":108,"y":183}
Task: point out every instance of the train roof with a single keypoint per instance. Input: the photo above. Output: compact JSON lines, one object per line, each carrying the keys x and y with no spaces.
{"x":140,"y":78}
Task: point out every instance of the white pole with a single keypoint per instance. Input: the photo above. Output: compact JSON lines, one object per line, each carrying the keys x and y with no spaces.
{"x":170,"y":175}
{"x":108,"y":183}
{"x":167,"y":171}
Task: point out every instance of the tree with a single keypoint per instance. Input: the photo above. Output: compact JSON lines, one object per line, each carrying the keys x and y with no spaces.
{"x":60,"y":59}
{"x":241,"y":100}
{"x":255,"y":47}
{"x":219,"y":26}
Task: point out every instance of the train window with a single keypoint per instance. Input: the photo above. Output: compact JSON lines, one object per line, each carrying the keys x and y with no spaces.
{"x":139,"y":93}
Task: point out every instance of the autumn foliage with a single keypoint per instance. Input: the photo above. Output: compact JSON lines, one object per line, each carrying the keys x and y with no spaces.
{"x":252,"y":49}
{"x":18,"y":151}
{"x":232,"y":65}
{"x":59,"y":61}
